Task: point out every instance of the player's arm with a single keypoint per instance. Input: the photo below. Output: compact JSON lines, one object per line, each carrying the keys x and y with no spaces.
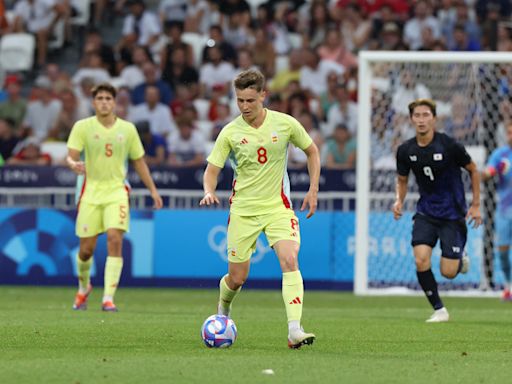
{"x":313,"y":162}
{"x":143,"y":171}
{"x":210,"y":178}
{"x":474,"y":215}
{"x":74,"y":163}
{"x":401,"y":192}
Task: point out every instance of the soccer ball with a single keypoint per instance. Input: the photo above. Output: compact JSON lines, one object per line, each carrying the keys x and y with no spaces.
{"x":218,"y":331}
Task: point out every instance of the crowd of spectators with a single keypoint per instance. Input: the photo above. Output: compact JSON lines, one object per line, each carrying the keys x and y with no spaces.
{"x":176,"y":59}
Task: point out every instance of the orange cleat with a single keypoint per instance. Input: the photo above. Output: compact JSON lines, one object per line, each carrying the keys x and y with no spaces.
{"x":108,"y":306}
{"x":81,"y":299}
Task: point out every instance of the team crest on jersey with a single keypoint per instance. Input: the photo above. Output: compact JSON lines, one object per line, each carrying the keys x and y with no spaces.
{"x":274,"y":137}
{"x":438,"y":156}
{"x":96,"y":136}
{"x":120,"y":138}
{"x":413,"y":158}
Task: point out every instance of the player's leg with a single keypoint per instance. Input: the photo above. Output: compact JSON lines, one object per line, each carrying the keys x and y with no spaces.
{"x":503,"y":236}
{"x":283,"y":234}
{"x":424,"y":238}
{"x":452,"y":235}
{"x":116,"y":217}
{"x":88,"y":225}
{"x":241,"y":243}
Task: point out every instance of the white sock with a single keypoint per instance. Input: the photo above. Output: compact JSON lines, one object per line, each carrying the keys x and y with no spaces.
{"x":108,"y":298}
{"x":293,"y":325}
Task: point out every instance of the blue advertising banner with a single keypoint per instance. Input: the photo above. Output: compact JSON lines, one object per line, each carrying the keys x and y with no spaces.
{"x":165,"y":177}
{"x":188,"y":248}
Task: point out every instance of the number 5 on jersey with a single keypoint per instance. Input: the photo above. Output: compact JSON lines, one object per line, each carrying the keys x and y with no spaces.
{"x":108,"y":149}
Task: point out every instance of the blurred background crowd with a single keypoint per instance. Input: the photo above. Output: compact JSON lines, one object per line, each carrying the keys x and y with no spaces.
{"x":173,"y":62}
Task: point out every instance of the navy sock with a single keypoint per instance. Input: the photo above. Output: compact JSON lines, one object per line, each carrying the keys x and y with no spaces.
{"x":505,"y":265}
{"x":429,"y":285}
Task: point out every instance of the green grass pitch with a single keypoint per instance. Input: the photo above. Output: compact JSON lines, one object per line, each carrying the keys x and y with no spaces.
{"x":155,"y":339}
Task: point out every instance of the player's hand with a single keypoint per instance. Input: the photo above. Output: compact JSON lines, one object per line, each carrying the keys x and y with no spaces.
{"x":78,"y":167}
{"x":311,"y":200}
{"x":157,"y":200}
{"x":474,"y":217}
{"x":209,"y":199}
{"x":397,"y":209}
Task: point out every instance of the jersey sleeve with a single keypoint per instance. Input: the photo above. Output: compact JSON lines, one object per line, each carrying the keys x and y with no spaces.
{"x":298,"y":135}
{"x":76,"y":137}
{"x":460,"y":154}
{"x":402,"y":165}
{"x":221,"y":150}
{"x":136,"y":150}
{"x":494,"y":159}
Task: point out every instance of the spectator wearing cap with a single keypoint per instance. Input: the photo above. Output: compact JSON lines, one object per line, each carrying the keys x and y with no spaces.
{"x":155,"y":147}
{"x":42,"y":111}
{"x":15,"y":107}
{"x":28,"y":152}
{"x":8,"y":139}
{"x":391,"y":38}
{"x":39,"y":18}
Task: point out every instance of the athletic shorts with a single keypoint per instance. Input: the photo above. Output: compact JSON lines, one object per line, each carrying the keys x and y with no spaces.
{"x":243,"y":231}
{"x":94,"y":219}
{"x":503,"y":227}
{"x":451,"y":233}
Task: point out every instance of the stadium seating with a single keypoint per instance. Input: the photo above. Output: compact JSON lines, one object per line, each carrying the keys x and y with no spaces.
{"x":17,"y":52}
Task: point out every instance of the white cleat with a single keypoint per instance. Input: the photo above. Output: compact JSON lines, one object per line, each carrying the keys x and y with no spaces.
{"x":439,"y":316}
{"x":465,"y":263}
{"x":298,"y":338}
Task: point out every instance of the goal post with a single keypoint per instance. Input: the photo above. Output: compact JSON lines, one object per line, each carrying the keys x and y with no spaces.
{"x":473,"y":91}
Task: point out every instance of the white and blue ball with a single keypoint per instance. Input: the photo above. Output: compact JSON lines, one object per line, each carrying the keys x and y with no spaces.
{"x":218,"y":331}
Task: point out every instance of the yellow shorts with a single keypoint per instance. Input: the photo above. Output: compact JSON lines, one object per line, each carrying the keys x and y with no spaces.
{"x":243,"y":231}
{"x":93,"y":219}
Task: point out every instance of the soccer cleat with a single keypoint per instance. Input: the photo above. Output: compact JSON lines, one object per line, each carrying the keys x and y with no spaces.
{"x":465,"y":263}
{"x":298,"y":338}
{"x":108,"y":306}
{"x":80,"y":303}
{"x":506,"y":295}
{"x":439,"y":316}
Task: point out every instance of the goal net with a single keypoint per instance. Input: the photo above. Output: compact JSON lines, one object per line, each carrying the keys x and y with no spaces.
{"x":473,"y":96}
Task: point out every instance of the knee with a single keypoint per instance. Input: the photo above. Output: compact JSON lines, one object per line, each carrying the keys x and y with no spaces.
{"x":86,"y":252}
{"x":422,"y":264}
{"x":289,"y":262}
{"x":236,"y":280}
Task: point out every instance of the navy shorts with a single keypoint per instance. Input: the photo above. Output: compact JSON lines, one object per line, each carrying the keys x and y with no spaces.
{"x":452,"y":234}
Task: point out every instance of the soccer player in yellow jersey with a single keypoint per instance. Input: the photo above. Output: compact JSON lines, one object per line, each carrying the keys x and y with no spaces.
{"x":256,"y":143}
{"x":108,"y":142}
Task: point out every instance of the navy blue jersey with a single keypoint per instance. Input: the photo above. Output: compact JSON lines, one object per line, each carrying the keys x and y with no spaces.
{"x":437,"y":168}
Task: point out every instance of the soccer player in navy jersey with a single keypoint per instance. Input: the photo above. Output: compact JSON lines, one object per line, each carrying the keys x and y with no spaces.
{"x":441,"y":212}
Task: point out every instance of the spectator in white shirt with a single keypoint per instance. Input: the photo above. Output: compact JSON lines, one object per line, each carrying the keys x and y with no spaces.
{"x":215,"y":73}
{"x":157,"y":114}
{"x":343,"y":111}
{"x":140,"y":27}
{"x":414,"y":27}
{"x":43,"y":111}
{"x":186,"y":147}
{"x":39,"y":18}
{"x":313,"y":75}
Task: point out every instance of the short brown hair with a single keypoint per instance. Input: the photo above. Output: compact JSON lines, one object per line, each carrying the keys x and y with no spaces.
{"x":427,"y":102}
{"x":250,"y":78}
{"x":104,"y":87}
